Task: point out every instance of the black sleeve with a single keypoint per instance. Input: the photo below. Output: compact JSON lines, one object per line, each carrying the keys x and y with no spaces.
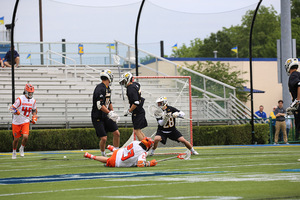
{"x":133,"y":96}
{"x":100,"y":95}
{"x":295,"y":80}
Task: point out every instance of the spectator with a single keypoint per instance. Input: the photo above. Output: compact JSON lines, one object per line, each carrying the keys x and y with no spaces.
{"x":289,"y":124}
{"x":1,"y":63}
{"x":7,"y":58}
{"x":273,"y":122}
{"x":280,"y":122}
{"x":261,"y":114}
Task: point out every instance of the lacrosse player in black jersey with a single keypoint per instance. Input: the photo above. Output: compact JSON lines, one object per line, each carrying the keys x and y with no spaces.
{"x":291,"y":66}
{"x":167,"y":126}
{"x":104,"y":119}
{"x":136,"y":102}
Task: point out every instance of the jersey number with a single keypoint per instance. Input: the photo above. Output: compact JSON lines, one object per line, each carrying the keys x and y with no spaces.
{"x":170,"y":123}
{"x":128,"y":152}
{"x":26,"y":111}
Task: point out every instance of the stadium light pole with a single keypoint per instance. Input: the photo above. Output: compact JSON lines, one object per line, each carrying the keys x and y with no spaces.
{"x":12,"y":52}
{"x":136,"y":38}
{"x":251,"y":75}
{"x":41,"y":32}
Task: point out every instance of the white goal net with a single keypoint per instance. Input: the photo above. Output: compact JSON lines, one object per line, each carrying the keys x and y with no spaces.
{"x":177,"y":89}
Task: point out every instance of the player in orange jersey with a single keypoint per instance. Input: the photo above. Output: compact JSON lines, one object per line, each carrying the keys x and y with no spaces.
{"x":21,"y":109}
{"x":133,"y":155}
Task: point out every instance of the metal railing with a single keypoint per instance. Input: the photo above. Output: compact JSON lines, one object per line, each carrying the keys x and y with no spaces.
{"x":49,"y":59}
{"x":157,"y":64}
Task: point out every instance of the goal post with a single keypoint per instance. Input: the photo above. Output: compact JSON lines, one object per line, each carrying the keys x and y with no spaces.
{"x":178,"y":91}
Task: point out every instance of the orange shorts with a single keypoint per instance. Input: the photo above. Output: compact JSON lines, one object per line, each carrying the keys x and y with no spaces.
{"x":19,"y":130}
{"x":111,"y":162}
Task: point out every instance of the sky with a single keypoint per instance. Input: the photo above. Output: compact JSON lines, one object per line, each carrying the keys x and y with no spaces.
{"x":172,"y":21}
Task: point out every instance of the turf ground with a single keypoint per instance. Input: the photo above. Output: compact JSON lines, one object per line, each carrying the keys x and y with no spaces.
{"x":219,"y":172}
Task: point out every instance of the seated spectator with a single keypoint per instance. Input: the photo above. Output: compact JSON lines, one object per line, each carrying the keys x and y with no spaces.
{"x":261,"y":114}
{"x":7,"y":58}
{"x":1,"y":63}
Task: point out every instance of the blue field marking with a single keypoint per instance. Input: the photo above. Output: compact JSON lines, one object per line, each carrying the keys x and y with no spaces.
{"x":290,"y":170}
{"x":98,"y":175}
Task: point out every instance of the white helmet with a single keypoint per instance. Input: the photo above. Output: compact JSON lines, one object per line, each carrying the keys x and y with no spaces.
{"x":289,"y":63}
{"x":125,"y":79}
{"x":161,"y":101}
{"x":107,"y":73}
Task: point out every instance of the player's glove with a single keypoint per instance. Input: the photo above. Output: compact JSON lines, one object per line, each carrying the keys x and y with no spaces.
{"x":175,"y":114}
{"x":153,"y":163}
{"x":166,"y":117}
{"x":295,"y":104}
{"x":14,"y":110}
{"x":34,"y":119}
{"x":127,"y":113}
{"x":293,"y":107}
{"x":113,"y":116}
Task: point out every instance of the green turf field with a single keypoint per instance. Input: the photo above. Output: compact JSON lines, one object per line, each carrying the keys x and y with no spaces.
{"x":219,"y":172}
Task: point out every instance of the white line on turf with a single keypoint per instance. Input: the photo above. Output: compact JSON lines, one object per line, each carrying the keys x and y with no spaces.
{"x":79,"y":189}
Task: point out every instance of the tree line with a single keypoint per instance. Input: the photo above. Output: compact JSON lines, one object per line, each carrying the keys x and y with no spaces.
{"x":266,"y":32}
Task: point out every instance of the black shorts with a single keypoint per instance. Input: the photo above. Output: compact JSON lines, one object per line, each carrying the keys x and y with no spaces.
{"x":174,"y":135}
{"x":139,"y":120}
{"x":102,"y":126}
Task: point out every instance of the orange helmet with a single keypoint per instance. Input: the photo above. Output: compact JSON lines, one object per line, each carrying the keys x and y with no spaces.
{"x":148,"y":142}
{"x":29,"y":90}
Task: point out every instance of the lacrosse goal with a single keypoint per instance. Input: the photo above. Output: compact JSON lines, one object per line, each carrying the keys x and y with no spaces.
{"x":177,"y":89}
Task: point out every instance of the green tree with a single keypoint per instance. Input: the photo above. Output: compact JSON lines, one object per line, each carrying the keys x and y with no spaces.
{"x":221,"y":72}
{"x":266,"y":32}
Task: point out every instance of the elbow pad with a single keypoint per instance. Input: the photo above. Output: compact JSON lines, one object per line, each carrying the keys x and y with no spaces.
{"x":136,"y":103}
{"x":99,"y":105}
{"x":161,"y":122}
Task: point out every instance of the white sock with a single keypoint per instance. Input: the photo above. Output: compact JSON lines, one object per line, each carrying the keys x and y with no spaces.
{"x":192,"y":149}
{"x":103,"y":153}
{"x":14,"y":151}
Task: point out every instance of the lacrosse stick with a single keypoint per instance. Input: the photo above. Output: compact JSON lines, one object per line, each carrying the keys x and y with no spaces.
{"x":182,"y":156}
{"x":117,"y":62}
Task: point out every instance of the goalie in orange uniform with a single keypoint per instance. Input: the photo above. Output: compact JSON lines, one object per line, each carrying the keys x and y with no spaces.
{"x":133,"y":155}
{"x":24,"y":105}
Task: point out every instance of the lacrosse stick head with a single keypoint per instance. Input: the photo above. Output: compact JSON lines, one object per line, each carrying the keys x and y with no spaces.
{"x":116,"y":59}
{"x":185,"y":156}
{"x":155,"y":111}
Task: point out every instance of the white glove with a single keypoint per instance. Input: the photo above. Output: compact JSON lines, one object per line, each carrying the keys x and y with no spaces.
{"x":175,"y":114}
{"x":113,"y":116}
{"x":127,"y":113}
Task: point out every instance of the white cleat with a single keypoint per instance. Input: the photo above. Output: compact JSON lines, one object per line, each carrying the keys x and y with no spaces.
{"x":14,"y":155}
{"x":21,"y":150}
{"x":195,"y":153}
